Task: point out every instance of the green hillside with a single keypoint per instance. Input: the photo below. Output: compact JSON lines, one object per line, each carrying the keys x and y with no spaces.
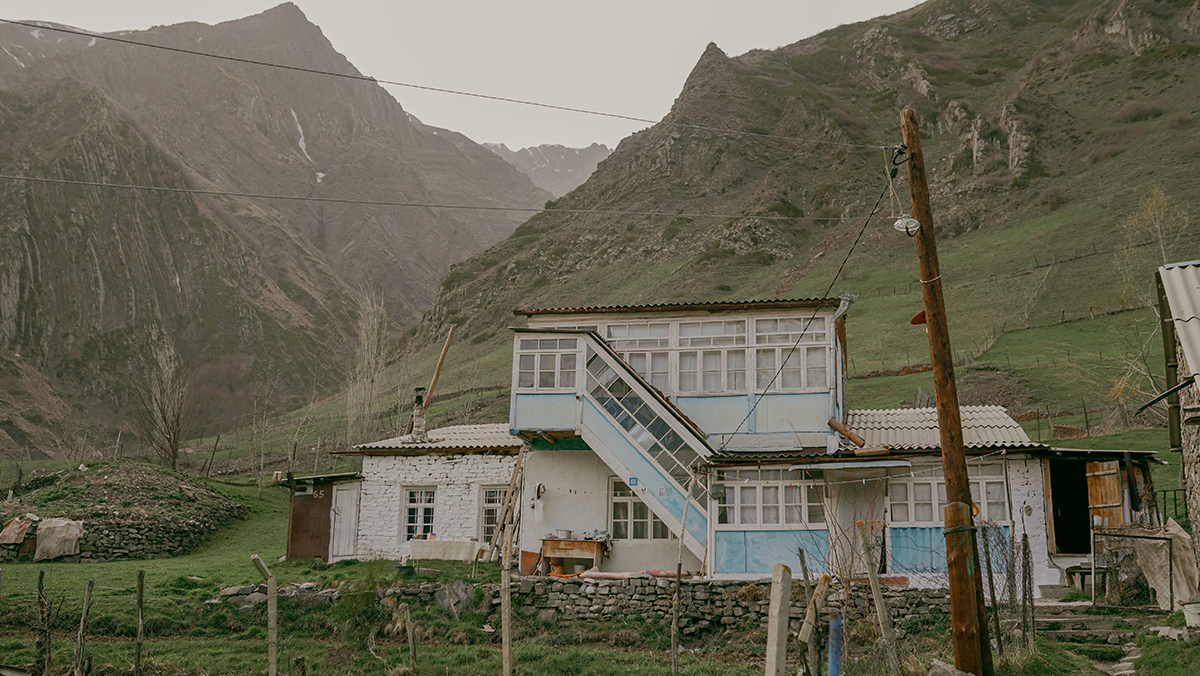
{"x":1048,"y":127}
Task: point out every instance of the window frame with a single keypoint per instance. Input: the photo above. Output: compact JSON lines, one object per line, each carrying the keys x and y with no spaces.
{"x":934,"y":478}
{"x":564,"y":348}
{"x":654,"y":525}
{"x":422,"y":527}
{"x":742,"y":482}
{"x":485,"y":506}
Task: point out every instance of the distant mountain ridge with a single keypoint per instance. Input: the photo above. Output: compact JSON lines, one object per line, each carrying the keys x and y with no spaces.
{"x":554,"y":168}
{"x":96,"y":285}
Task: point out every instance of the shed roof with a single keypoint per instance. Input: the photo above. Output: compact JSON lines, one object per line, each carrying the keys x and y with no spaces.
{"x":917,"y":428}
{"x":460,"y":438}
{"x":1181,"y":283}
{"x":711,"y":306}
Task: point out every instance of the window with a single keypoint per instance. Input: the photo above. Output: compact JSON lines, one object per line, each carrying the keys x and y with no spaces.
{"x":712,"y":371}
{"x":542,"y":364}
{"x":654,"y":367}
{"x":490,"y":507}
{"x":800,"y":362}
{"x":712,"y":334}
{"x":768,"y":499}
{"x":418,"y":520}
{"x":633,"y":336}
{"x":631,"y":518}
{"x":920,"y":501}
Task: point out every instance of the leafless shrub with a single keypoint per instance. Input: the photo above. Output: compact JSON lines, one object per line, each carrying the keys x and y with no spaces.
{"x":1103,"y":153}
{"x":164,"y":413}
{"x":1050,"y":199}
{"x":1178,"y":119}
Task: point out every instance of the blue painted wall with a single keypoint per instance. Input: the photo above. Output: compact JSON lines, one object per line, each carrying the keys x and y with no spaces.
{"x":757,"y":551}
{"x":533,"y":412}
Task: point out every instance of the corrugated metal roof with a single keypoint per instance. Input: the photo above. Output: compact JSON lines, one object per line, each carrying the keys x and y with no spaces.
{"x":1181,"y":282}
{"x":917,"y":428}
{"x":487,"y":437}
{"x":722,"y":306}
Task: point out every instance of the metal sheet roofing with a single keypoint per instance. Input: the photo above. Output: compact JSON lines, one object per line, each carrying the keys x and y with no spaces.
{"x":1181,"y":282}
{"x":489,"y":437}
{"x":715,"y":306}
{"x":917,"y":428}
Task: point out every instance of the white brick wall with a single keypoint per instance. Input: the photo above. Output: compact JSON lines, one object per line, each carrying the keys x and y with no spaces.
{"x":458,"y":480}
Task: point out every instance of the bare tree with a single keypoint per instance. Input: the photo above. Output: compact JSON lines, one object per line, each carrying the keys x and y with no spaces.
{"x":164,"y":413}
{"x":370,"y":359}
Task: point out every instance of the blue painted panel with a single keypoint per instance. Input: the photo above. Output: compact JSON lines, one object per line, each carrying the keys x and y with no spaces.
{"x":543,"y":411}
{"x":804,"y":412}
{"x":716,"y":415}
{"x":650,"y":477}
{"x":730,"y":553}
{"x":918,"y":550}
{"x":765,"y":548}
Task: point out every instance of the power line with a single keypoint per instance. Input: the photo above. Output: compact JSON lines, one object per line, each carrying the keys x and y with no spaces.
{"x":783,"y":360}
{"x":426,"y":205}
{"x":442,"y":90}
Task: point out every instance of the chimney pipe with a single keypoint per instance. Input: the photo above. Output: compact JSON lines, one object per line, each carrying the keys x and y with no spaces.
{"x":418,"y":417}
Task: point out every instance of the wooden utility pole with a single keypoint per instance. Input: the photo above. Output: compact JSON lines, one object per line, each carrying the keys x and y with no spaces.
{"x":972,"y":650}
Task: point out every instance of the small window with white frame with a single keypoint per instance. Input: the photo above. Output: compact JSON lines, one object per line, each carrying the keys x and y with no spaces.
{"x":491,"y":503}
{"x":641,"y":335}
{"x":547,"y":363}
{"x":418,"y":512}
{"x":799,"y":358}
{"x":631,"y":519}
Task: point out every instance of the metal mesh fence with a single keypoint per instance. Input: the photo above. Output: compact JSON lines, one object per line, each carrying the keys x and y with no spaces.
{"x":1133,"y":570}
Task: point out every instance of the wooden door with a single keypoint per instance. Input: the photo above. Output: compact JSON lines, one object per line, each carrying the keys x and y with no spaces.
{"x":1104,"y":494}
{"x":344,"y":542}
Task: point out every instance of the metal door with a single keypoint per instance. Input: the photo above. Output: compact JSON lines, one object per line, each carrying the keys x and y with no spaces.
{"x":344,"y":543}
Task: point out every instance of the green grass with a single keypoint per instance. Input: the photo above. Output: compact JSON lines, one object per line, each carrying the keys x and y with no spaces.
{"x":1164,"y":657}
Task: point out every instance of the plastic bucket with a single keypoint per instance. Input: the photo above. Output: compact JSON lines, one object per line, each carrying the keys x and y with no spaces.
{"x":563,"y":534}
{"x":1191,"y":614}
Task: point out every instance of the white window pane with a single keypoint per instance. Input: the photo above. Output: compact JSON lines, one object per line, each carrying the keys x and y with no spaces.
{"x":525,"y":379}
{"x":770,"y":495}
{"x":620,"y":511}
{"x":899,"y":512}
{"x":791,"y":325}
{"x":620,"y":529}
{"x":659,"y":381}
{"x":770,"y":514}
{"x":689,"y":329}
{"x":789,"y":379}
{"x":659,"y":362}
{"x":687,"y":382}
{"x":995,"y":491}
{"x":941,"y":493}
{"x":525,"y":362}
{"x":816,"y":513}
{"x":546,"y":379}
{"x":687,"y":361}
{"x":974,"y":492}
{"x":617,"y":331}
{"x":996,"y":511}
{"x":547,"y":362}
{"x":766,"y":326}
{"x":898,"y":492}
{"x":922,"y":492}
{"x":795,"y":514}
{"x":660,"y":330}
{"x":712,"y":381}
{"x":747,"y":495}
{"x":637,"y":361}
{"x":923,"y":511}
{"x":749,"y":515}
{"x":792,"y":495}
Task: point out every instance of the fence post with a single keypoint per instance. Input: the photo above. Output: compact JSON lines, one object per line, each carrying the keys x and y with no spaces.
{"x":881,"y":609}
{"x":814,"y":655}
{"x":1171,"y":573}
{"x":777,"y":620}
{"x":505,"y":606}
{"x":43,"y":647}
{"x":815,"y":603}
{"x":272,"y":617}
{"x":835,"y":646}
{"x":141,"y":629}
{"x":87,"y":604}
{"x":412,"y":639}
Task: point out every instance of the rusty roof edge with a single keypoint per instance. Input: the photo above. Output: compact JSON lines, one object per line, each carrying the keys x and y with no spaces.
{"x":668,"y":307}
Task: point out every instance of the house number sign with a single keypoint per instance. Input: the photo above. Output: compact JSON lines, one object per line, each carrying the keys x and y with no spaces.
{"x":632,"y":481}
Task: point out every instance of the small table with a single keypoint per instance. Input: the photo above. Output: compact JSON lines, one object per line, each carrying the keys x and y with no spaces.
{"x":557,"y":550}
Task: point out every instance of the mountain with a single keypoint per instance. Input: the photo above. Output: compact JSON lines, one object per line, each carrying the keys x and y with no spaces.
{"x":97,"y":285}
{"x":554,"y":168}
{"x":1045,"y":124}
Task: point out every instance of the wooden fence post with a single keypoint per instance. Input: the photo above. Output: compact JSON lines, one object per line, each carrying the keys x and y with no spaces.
{"x":814,"y":650}
{"x":881,"y":609}
{"x":141,"y":627}
{"x":815,"y":603}
{"x":777,"y":620}
{"x":272,"y":616}
{"x":412,"y":639}
{"x":505,"y":603}
{"x":43,"y":642}
{"x":87,"y":604}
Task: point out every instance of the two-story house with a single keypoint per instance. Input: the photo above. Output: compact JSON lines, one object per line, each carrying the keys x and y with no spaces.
{"x":723,"y":413}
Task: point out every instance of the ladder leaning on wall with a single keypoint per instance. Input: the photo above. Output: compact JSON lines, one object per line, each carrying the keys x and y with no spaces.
{"x":509,"y":515}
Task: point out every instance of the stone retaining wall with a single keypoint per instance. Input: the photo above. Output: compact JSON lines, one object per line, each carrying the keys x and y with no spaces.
{"x":704,"y":603}
{"x":120,"y":540}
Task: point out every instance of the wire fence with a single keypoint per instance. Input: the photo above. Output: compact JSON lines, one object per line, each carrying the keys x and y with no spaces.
{"x":1133,"y":570}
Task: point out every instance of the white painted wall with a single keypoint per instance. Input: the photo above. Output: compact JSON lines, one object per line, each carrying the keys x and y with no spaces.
{"x":458,"y":478}
{"x":576,"y":498}
{"x":1027,"y":491}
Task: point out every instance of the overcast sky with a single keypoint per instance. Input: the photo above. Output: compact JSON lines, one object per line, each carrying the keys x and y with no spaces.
{"x":629,"y":57}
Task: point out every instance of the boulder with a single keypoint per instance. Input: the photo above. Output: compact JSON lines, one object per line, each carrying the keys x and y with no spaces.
{"x":940,"y":668}
{"x":454,"y":597}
